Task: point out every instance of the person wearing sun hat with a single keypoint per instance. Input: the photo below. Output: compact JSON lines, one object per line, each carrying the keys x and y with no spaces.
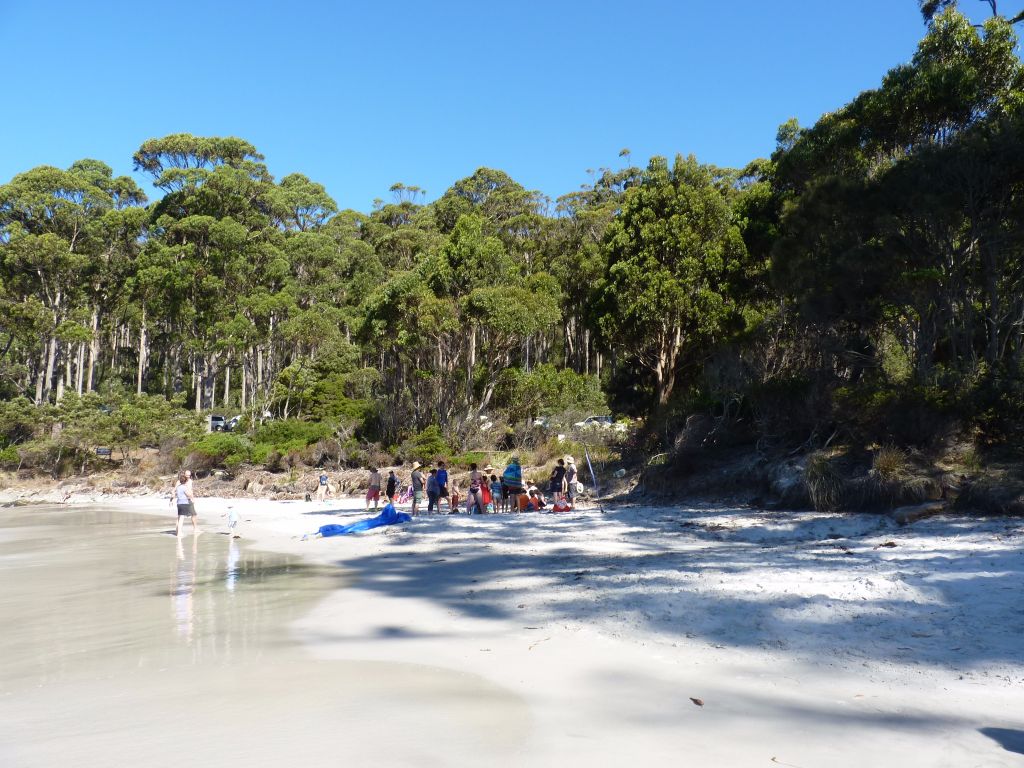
{"x":417,"y":486}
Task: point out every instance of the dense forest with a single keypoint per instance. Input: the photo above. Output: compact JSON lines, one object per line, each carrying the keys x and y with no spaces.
{"x":863,"y":285}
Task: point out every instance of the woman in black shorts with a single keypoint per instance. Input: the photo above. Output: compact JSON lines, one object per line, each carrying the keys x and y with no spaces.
{"x":185,"y":502}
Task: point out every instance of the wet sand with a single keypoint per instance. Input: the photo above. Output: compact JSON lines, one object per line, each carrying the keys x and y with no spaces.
{"x":632,"y":636}
{"x":123,"y":645}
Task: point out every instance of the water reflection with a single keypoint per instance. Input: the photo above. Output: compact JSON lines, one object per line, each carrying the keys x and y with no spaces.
{"x":97,"y":588}
{"x":118,"y":639}
{"x":232,"y":567}
{"x":183,"y":589}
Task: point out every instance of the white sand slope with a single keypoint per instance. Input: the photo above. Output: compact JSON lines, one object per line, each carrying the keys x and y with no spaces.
{"x":806,"y":639}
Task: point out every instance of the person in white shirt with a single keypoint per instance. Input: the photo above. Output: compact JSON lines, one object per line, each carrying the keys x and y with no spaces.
{"x":184,"y":498}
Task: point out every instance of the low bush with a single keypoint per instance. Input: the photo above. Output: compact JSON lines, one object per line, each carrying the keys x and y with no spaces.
{"x":292,"y":432}
{"x":911,"y":416}
{"x":463,"y":460}
{"x":219,"y":449}
{"x":55,"y":456}
{"x":546,"y":390}
{"x":427,"y":445}
{"x":9,"y":458}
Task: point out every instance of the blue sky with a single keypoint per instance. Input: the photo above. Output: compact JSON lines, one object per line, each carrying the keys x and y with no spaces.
{"x":358,"y":96}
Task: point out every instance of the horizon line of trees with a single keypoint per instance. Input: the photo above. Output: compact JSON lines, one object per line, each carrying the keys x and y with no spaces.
{"x":868,"y":276}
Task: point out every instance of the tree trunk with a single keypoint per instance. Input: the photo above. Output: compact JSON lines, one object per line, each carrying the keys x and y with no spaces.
{"x":51,"y":357}
{"x":991,"y":282}
{"x":567,"y":359}
{"x":245,"y":367}
{"x":470,"y":363}
{"x":143,"y":354}
{"x":227,"y":384}
{"x":64,"y":381}
{"x":665,"y":367}
{"x":40,"y":373}
{"x":209,"y":383}
{"x":586,"y":351}
{"x":80,"y":367}
{"x":197,"y":386}
{"x":94,"y":348}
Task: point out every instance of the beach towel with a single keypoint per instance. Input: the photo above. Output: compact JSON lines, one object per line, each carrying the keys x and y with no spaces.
{"x":388,"y":516}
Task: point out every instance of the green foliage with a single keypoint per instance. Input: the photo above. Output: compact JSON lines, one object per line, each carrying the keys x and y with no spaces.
{"x":545,"y":391}
{"x":9,"y":458}
{"x":911,"y":416}
{"x":220,"y":449}
{"x":19,"y":421}
{"x":670,"y":254}
{"x":284,"y":431}
{"x":463,"y":460}
{"x":427,"y":445}
{"x":866,"y":282}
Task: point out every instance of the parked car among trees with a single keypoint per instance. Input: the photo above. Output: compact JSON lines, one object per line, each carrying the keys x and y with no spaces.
{"x":600,"y":422}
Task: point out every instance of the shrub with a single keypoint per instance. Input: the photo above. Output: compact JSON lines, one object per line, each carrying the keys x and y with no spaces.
{"x":788,"y":409}
{"x":546,"y":390}
{"x":427,"y":445}
{"x":19,"y":421}
{"x":292,"y":431}
{"x":470,"y":457}
{"x":55,"y":456}
{"x":219,"y":449}
{"x":911,"y":416}
{"x":9,"y":458}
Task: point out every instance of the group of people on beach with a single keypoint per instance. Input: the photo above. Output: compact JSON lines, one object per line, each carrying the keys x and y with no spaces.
{"x":486,"y":491}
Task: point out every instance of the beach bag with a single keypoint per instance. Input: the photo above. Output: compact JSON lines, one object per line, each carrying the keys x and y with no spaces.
{"x":490,"y":508}
{"x":579,"y":487}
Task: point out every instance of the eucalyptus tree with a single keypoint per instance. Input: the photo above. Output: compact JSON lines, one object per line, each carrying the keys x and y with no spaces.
{"x":215,"y":232}
{"x":931,"y":8}
{"x":58,"y":230}
{"x":670,"y":253}
{"x":898,"y":205}
{"x":575,"y":257}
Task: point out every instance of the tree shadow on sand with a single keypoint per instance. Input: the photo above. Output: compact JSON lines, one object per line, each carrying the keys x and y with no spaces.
{"x":792,"y":584}
{"x":1009,"y":739}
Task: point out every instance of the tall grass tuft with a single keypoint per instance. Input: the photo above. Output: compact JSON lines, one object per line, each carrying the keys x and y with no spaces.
{"x":825,"y":485}
{"x":890,"y":464}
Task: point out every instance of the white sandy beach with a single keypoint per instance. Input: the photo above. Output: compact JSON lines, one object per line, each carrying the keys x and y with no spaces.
{"x":697,"y":636}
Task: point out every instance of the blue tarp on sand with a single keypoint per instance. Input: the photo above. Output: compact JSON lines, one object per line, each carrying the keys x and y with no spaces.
{"x":387,"y":517}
